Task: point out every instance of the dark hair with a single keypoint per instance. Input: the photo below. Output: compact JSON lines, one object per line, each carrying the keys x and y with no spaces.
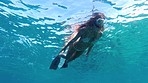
{"x":88,"y":24}
{"x":91,"y":22}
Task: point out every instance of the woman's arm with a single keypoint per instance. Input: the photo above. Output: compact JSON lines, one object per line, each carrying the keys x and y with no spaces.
{"x":95,"y":40}
{"x":89,"y":49}
{"x":81,"y":31}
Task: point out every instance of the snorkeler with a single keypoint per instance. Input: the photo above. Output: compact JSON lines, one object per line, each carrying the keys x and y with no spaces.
{"x":86,"y":36}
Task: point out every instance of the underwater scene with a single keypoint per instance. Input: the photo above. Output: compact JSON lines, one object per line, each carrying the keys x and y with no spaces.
{"x":32,"y":33}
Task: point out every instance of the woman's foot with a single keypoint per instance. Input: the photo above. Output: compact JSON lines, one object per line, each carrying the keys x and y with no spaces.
{"x":55,"y":63}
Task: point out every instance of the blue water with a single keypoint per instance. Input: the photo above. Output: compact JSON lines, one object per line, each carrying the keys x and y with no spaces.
{"x":32,"y":32}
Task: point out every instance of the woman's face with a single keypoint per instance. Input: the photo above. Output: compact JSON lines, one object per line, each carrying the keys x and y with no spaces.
{"x":100,"y":22}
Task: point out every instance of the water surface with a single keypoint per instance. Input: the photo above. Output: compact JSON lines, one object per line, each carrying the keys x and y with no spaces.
{"x":32,"y":32}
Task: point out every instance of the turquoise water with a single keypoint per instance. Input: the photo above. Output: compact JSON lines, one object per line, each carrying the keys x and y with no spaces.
{"x":32,"y":32}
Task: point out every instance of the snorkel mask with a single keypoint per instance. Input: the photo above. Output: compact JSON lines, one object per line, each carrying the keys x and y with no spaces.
{"x":99,"y":18}
{"x":100,"y":21}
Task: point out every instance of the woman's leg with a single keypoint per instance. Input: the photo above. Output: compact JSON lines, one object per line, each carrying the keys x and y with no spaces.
{"x":70,"y":52}
{"x":75,"y":55}
{"x":56,"y":61}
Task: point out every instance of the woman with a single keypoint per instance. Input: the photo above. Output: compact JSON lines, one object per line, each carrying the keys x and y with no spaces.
{"x":87,"y":34}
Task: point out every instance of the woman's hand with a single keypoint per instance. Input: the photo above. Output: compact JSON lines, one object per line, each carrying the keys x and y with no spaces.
{"x":86,"y":54}
{"x":86,"y":58}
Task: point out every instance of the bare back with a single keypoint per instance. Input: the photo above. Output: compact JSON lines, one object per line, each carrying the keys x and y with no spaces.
{"x":87,"y":38}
